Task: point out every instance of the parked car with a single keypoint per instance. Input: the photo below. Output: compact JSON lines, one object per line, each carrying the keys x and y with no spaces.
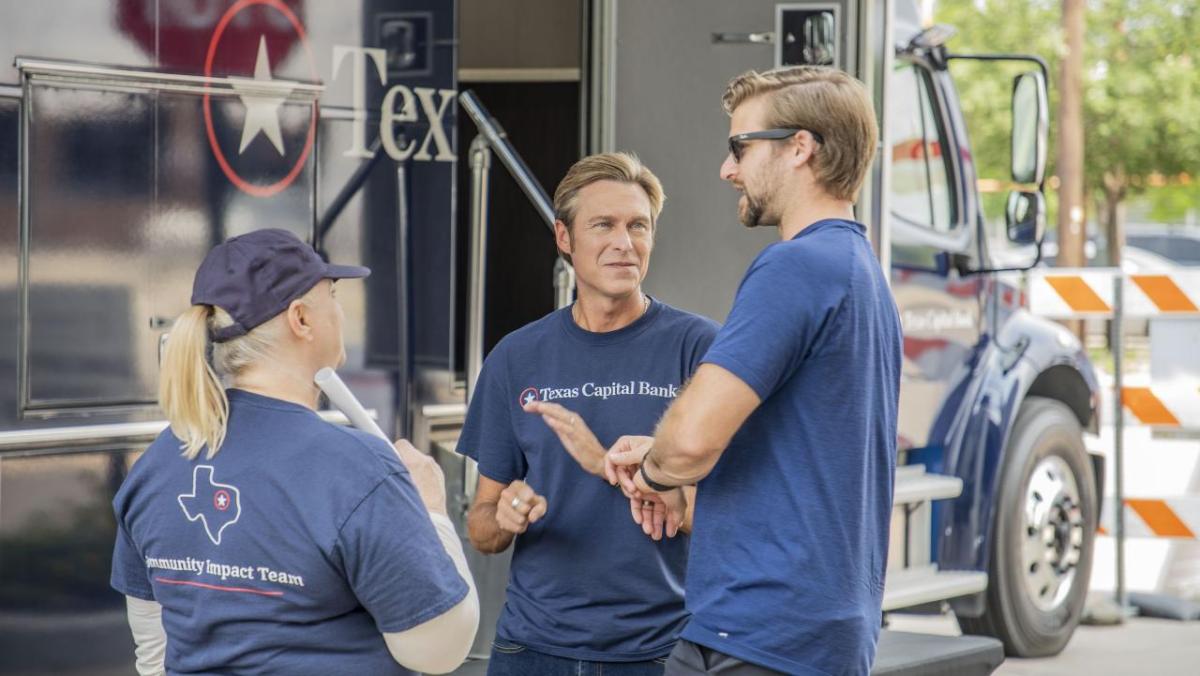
{"x":1179,"y":245}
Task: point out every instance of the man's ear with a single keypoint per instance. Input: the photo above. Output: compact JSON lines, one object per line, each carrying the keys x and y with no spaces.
{"x":801,"y":147}
{"x":562,"y":237}
{"x":298,"y":320}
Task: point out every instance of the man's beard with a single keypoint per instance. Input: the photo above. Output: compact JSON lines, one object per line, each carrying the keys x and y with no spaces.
{"x":752,"y":216}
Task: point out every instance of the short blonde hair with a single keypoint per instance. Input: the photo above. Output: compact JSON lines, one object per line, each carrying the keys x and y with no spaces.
{"x":620,"y":167}
{"x":822,"y":100}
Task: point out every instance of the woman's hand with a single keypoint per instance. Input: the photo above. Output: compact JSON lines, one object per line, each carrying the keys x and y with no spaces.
{"x":426,"y":476}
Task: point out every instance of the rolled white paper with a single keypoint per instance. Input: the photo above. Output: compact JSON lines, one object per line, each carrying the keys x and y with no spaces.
{"x":341,"y":397}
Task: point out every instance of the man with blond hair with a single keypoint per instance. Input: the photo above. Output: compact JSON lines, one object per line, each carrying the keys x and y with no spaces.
{"x":588,"y":591}
{"x":791,"y":419}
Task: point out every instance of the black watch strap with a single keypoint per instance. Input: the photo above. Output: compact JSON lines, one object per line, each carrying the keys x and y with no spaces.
{"x":660,"y":488}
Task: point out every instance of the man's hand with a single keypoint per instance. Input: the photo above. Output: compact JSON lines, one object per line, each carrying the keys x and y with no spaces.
{"x":575,"y":435}
{"x":622,"y":462}
{"x":518,"y":507}
{"x":657,"y":513}
{"x":426,"y":476}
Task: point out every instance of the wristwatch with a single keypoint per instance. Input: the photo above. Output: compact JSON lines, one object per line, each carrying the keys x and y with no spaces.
{"x":660,"y":488}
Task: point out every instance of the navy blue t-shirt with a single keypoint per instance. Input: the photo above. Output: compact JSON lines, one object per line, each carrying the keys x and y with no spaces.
{"x":289,"y":552}
{"x":586,"y":583}
{"x":790,"y":541}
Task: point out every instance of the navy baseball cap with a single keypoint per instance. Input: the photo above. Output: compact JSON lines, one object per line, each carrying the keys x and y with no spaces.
{"x":256,"y":276}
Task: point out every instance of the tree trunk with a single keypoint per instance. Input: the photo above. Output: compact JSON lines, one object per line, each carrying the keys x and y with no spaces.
{"x":1114,"y":215}
{"x":1114,"y":225}
{"x":1071,"y":222}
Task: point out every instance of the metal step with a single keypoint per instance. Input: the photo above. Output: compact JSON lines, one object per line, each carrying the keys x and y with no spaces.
{"x":914,"y":586}
{"x":901,"y":653}
{"x":914,"y":484}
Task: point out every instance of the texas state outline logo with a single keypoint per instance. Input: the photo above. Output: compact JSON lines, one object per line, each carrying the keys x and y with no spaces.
{"x":217,"y":506}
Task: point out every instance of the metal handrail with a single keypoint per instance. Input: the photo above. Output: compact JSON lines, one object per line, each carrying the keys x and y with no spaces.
{"x":564,"y":283}
{"x":481,"y":163}
{"x":86,"y":73}
{"x":493,"y":139}
{"x":497,"y":140}
{"x":348,"y":191}
{"x":128,"y":432}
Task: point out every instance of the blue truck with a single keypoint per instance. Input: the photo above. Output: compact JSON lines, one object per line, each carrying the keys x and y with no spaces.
{"x":134,"y":135}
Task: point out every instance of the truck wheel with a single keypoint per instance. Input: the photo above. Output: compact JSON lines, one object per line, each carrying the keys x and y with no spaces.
{"x":1044,"y":525}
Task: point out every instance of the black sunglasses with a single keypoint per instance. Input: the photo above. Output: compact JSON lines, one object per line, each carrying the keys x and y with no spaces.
{"x":736,"y":142}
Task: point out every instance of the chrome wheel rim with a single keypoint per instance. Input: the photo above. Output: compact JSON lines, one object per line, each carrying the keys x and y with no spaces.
{"x":1052,"y":534}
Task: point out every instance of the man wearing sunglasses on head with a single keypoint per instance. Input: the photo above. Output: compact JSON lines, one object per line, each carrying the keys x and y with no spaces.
{"x":790,"y":421}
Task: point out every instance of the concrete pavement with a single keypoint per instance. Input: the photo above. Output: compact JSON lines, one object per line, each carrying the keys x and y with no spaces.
{"x":1140,"y":646}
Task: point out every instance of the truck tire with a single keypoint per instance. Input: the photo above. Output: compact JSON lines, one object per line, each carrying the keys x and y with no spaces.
{"x":1042,"y":533}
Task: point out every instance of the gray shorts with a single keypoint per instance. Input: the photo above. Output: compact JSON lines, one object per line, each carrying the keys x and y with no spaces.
{"x":689,"y":659}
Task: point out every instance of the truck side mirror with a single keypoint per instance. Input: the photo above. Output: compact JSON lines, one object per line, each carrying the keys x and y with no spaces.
{"x":1025,"y":217}
{"x":1030,"y":128}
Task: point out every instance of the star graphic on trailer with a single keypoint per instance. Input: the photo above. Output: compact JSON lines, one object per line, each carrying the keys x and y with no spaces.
{"x":222,"y":501}
{"x":262,"y":109}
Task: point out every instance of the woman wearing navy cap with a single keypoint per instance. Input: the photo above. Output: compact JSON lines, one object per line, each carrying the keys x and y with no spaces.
{"x":253,"y":537}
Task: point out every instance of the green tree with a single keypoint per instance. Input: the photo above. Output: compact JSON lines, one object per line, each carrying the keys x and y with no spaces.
{"x":1174,"y":203}
{"x":1141,"y":100}
{"x":985,"y":88}
{"x":1141,"y":89}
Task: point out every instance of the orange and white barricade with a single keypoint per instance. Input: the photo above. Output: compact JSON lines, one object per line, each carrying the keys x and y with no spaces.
{"x":1078,"y":293}
{"x":1081,"y":293}
{"x":1173,"y":404}
{"x":1172,"y":517}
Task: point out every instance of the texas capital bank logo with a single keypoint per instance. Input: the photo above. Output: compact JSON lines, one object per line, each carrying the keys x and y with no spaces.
{"x":279,"y":125}
{"x":215,"y":505}
{"x":528,"y":396}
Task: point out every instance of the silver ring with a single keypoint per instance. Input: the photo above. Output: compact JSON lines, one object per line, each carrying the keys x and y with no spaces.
{"x":516,"y":502}
{"x":646,"y":503}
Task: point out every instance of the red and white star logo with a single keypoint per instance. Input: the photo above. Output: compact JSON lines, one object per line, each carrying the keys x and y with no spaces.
{"x":262,"y":110}
{"x":262,"y":97}
{"x":528,"y":396}
{"x":225,"y":501}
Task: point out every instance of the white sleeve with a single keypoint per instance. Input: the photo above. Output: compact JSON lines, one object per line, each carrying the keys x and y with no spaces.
{"x":440,"y":645}
{"x":149,"y":639}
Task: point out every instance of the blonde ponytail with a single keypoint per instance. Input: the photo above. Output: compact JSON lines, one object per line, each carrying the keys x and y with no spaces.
{"x":189,"y":390}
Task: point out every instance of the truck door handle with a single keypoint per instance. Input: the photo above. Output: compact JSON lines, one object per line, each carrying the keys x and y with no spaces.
{"x":766,"y":38}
